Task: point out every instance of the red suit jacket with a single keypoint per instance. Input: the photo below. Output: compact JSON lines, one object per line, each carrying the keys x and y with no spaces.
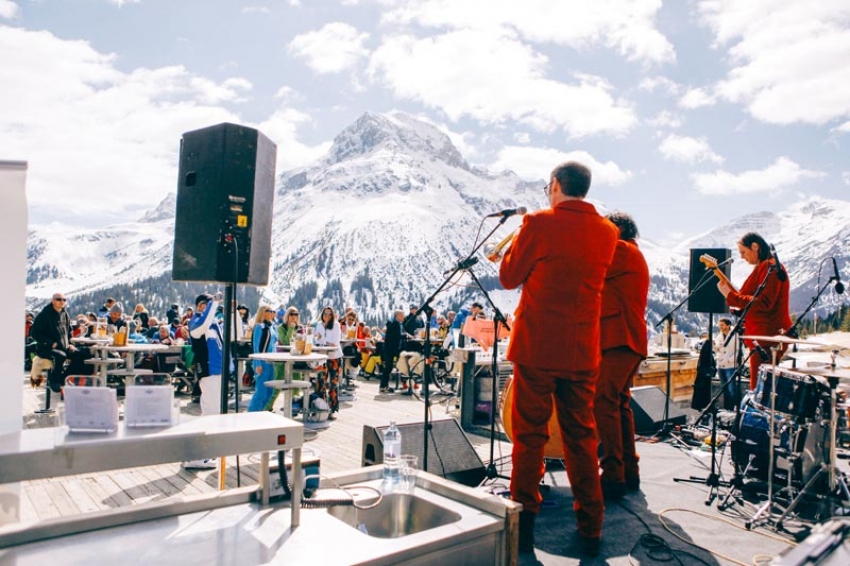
{"x":560,"y":257}
{"x":769,"y":315}
{"x":624,"y":300}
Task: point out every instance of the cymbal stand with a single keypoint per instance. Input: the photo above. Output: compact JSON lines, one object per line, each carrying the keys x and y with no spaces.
{"x":771,"y":427}
{"x":837,"y":484}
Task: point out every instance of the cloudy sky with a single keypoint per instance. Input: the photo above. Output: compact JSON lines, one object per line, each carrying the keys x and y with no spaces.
{"x":689,"y":112}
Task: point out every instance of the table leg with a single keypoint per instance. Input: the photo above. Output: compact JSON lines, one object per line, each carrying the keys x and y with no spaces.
{"x":287,"y":393}
{"x":130,"y":366}
{"x":265,"y":479}
{"x":297,"y":487}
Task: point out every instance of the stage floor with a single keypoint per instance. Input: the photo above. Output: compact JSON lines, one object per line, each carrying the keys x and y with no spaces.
{"x":674,"y":512}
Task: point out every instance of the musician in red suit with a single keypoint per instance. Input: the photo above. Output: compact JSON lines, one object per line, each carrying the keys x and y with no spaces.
{"x":769,"y":315}
{"x":560,"y":256}
{"x":623,"y":348}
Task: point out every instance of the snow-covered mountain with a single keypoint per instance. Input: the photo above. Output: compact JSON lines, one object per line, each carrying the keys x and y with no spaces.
{"x":377,"y":221}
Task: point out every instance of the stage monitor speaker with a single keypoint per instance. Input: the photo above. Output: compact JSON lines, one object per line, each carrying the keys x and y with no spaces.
{"x":225,"y":200}
{"x":648,"y":404}
{"x":450,"y":455}
{"x":708,"y":299}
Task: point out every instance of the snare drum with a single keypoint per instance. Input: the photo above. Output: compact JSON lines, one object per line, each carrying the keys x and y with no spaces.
{"x":797,"y":394}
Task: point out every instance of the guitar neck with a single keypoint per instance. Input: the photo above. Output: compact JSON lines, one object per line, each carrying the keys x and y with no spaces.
{"x":722,"y":276}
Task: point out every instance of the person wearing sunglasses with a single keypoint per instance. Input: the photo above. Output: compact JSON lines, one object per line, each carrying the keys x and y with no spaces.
{"x":264,"y":339}
{"x":51,"y":331}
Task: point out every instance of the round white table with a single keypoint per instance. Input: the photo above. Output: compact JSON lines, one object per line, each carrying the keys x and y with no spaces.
{"x":287,"y":385}
{"x":129,"y":351}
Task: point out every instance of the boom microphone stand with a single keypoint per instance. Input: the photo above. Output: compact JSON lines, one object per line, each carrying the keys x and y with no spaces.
{"x":668,"y":318}
{"x":463,"y":265}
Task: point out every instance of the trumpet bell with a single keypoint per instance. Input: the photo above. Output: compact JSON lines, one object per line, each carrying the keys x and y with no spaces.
{"x":495,"y":253}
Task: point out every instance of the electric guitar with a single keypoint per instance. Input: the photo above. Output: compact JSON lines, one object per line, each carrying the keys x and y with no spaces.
{"x":711,"y":263}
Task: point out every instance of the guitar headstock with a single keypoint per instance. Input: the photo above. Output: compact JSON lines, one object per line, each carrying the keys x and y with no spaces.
{"x":709,"y":261}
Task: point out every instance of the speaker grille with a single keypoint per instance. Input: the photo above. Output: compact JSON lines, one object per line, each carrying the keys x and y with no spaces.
{"x":450,"y":454}
{"x":708,"y":298}
{"x":648,"y":403}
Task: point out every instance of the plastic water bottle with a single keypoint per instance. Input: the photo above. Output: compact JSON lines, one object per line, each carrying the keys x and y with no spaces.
{"x":392,"y":452}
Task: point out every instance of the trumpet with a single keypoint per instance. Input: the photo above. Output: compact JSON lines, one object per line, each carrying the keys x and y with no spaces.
{"x":495,"y":252}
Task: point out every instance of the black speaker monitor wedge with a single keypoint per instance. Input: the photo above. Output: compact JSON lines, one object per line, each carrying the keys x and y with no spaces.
{"x":225,"y":197}
{"x":450,"y":454}
{"x":648,"y":404}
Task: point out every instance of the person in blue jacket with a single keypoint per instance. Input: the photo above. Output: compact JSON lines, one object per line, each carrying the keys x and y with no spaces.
{"x":264,"y":339}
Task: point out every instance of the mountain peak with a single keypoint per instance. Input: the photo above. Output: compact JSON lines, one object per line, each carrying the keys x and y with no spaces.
{"x":164,"y":210}
{"x":397,"y":133}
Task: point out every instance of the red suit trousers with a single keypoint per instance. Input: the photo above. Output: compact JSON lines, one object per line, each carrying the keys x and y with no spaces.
{"x":614,"y":418}
{"x":573,"y":392}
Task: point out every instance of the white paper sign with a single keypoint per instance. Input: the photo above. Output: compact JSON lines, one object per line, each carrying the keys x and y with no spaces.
{"x":148,"y":405}
{"x":91,"y":409}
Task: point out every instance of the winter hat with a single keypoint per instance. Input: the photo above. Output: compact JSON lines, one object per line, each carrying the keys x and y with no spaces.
{"x":203,"y":298}
{"x":117,"y":308}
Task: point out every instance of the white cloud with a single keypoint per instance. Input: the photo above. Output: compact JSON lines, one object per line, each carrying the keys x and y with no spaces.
{"x":282,"y":128}
{"x":8,"y":9}
{"x":791,"y":59}
{"x":626,"y":26}
{"x":781,"y":173}
{"x":843,"y":128}
{"x":696,"y":98}
{"x":97,"y":138}
{"x":533,"y":163}
{"x":687,"y":149}
{"x":845,"y":176}
{"x":650,"y":84}
{"x":256,"y":10}
{"x":522,"y":137}
{"x":334,"y":48}
{"x":665,"y":119}
{"x":493,"y":78}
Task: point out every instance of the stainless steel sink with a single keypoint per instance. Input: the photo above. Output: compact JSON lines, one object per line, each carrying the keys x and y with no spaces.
{"x":397,"y":515}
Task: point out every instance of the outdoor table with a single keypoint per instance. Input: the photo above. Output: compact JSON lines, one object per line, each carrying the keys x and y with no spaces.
{"x":129,"y":351}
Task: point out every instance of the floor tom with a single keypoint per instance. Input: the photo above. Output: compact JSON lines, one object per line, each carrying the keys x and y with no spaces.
{"x":797,"y":394}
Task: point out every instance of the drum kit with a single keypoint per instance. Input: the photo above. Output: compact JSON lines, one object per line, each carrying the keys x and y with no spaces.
{"x":785,"y":435}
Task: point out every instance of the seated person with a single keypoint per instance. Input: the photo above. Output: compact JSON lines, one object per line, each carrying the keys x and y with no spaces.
{"x":163,"y":336}
{"x":51,"y":330}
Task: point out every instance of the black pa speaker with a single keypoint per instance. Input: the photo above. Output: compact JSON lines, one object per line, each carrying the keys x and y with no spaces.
{"x":707,"y":299}
{"x":648,"y":404}
{"x":225,"y":197}
{"x":450,"y":455}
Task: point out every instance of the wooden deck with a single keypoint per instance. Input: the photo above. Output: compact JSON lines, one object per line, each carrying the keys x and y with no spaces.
{"x":339,"y":448}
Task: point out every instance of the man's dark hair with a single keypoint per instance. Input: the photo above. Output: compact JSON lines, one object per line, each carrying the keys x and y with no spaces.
{"x":573,"y":177}
{"x":626,"y":224}
{"x":728,"y":321}
{"x":751,"y":238}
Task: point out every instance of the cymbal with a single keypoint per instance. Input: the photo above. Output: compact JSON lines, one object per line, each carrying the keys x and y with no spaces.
{"x":777,"y":338}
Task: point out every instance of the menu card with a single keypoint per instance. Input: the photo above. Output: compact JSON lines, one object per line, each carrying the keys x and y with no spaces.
{"x":91,"y":409}
{"x":148,"y":405}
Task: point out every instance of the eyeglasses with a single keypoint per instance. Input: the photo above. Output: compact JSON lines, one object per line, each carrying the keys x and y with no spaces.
{"x":61,"y":300}
{"x":293,"y":314}
{"x":546,"y":189}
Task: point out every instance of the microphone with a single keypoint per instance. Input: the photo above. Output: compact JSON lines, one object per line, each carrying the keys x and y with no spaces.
{"x":508,"y":212}
{"x":839,"y":286}
{"x":462,"y":265}
{"x":780,"y":271}
{"x":765,"y":357}
{"x":726,"y":262}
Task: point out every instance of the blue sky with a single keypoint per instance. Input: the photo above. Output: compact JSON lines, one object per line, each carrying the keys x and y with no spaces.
{"x":689,"y":112}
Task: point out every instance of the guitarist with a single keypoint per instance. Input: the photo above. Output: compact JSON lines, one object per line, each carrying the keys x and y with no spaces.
{"x":769,"y":315}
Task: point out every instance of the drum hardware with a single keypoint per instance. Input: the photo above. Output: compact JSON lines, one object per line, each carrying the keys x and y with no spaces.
{"x":764,"y":512}
{"x":836,"y":482}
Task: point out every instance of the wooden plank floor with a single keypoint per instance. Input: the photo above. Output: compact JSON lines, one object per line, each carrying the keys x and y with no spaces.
{"x":339,"y":448}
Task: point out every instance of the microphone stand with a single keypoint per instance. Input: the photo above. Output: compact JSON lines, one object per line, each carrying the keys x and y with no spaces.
{"x":669,"y":319}
{"x":463,"y":265}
